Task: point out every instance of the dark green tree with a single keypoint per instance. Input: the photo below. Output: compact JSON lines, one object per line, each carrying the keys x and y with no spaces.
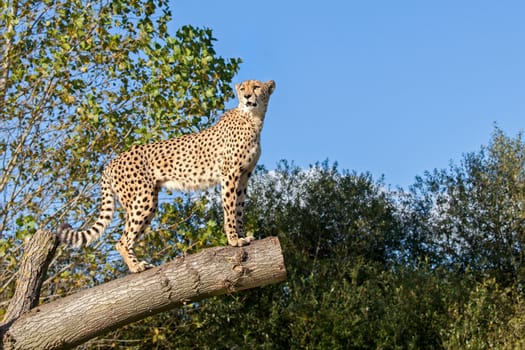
{"x":472,"y":214}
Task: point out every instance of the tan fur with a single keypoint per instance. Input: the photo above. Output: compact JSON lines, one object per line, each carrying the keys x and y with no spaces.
{"x":224,"y":154}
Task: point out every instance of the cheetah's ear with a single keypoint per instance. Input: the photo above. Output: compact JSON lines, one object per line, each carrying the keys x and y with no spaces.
{"x":271,"y":86}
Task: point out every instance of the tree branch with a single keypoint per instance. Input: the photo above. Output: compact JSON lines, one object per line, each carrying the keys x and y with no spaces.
{"x":72,"y":320}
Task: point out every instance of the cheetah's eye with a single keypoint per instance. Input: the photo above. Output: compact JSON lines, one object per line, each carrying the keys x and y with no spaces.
{"x":256,"y":87}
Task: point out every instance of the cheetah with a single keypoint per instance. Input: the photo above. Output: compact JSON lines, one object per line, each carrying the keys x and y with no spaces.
{"x":224,"y":154}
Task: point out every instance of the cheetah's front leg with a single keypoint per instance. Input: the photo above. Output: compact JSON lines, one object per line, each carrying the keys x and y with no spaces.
{"x":239,"y":207}
{"x":232,"y":192}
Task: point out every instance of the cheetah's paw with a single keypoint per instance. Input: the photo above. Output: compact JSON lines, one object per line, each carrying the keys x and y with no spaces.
{"x":245,"y":241}
{"x":141,"y":266}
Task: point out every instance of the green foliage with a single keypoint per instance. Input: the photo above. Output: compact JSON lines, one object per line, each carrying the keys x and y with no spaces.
{"x":81,"y":81}
{"x":490,"y":318}
{"x":473,"y":213}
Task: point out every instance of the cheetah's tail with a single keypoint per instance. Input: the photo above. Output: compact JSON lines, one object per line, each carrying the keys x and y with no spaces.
{"x":67,"y":234}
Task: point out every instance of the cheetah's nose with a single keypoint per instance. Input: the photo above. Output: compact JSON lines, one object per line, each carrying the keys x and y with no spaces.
{"x":247,"y":96}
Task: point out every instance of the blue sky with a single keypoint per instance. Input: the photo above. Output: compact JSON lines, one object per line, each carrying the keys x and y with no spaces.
{"x":394,"y":88}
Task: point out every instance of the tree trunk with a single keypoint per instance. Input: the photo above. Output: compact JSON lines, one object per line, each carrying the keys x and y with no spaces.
{"x":72,"y":320}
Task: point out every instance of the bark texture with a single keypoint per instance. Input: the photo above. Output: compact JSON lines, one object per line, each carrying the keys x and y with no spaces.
{"x":39,"y":250}
{"x":77,"y":318}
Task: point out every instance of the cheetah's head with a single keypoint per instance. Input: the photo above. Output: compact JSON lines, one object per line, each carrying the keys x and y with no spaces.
{"x":254,"y":95}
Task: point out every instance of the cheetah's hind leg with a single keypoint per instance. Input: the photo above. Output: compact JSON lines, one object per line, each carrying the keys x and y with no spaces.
{"x":129,"y":257}
{"x":138,"y":216}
